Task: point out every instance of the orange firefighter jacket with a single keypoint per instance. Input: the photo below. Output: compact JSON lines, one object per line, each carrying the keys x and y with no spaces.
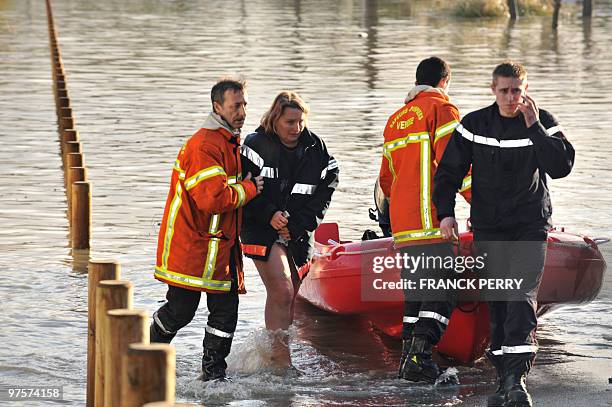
{"x":415,"y":138}
{"x":201,"y":222}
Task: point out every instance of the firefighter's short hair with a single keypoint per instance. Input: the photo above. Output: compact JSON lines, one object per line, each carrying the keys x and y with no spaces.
{"x":509,"y":69}
{"x":431,"y":71}
{"x":281,"y":101}
{"x":217,"y":93}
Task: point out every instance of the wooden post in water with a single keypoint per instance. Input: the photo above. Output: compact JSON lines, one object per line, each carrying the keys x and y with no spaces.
{"x":62,"y":102}
{"x":513,"y":8}
{"x":71,"y":160}
{"x":59,"y":85}
{"x":555,"y":21}
{"x":149,"y":374}
{"x":65,"y":112}
{"x":74,"y":160}
{"x":71,"y":147}
{"x":66,"y":122}
{"x":99,"y":270}
{"x":74,"y":174}
{"x":69,"y":134}
{"x":61,"y":93}
{"x":587,"y":8}
{"x":111,"y":294}
{"x":124,"y":327}
{"x":80,"y":215}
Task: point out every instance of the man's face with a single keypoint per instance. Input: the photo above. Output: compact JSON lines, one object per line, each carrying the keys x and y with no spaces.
{"x":233,"y":109}
{"x":509,"y":93}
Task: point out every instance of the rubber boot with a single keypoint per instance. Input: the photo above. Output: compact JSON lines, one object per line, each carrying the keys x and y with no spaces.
{"x":405,"y":349}
{"x":158,"y":334}
{"x":517,"y":395}
{"x":516,"y":368}
{"x":497,"y":399}
{"x":216,"y":350}
{"x":417,"y":365}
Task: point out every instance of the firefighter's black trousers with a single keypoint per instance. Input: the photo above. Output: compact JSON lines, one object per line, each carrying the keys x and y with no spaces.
{"x":517,"y":253}
{"x":182,"y":305}
{"x":427,"y":311}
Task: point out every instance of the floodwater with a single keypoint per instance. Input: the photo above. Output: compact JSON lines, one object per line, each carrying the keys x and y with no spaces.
{"x":139,"y":74}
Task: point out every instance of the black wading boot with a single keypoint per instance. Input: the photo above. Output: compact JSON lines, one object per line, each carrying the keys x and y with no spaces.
{"x":216,"y":350}
{"x":517,"y":395}
{"x":516,"y":369}
{"x":416,"y":364}
{"x":497,"y":399}
{"x":159,"y":334}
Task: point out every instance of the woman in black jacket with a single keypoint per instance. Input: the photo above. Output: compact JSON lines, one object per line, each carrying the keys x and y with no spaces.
{"x":279,"y":224}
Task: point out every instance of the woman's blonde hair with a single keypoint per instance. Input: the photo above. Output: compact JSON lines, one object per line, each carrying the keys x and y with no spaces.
{"x":283,"y":100}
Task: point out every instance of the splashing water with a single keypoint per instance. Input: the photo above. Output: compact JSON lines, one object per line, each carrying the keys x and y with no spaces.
{"x":449,"y":376}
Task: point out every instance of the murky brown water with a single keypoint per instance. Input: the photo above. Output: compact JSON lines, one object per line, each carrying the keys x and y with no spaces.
{"x":139,"y":75}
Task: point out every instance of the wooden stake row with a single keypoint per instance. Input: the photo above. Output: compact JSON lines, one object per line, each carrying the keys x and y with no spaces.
{"x":123,"y":368}
{"x":78,"y":189}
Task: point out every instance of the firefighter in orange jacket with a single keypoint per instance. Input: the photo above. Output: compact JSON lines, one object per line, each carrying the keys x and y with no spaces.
{"x":198,"y":248}
{"x":415,"y":138}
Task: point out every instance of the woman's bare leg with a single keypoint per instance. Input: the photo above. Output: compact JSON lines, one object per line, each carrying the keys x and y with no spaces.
{"x":276,"y":276}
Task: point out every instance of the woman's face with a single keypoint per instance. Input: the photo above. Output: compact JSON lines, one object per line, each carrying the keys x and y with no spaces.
{"x":289,"y":126}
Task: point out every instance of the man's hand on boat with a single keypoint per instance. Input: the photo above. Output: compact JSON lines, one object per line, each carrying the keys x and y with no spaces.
{"x":449,"y":229}
{"x":279,"y":220}
{"x":258,"y":181}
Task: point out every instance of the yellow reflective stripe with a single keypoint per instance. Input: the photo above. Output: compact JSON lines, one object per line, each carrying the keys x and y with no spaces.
{"x":175,"y":205}
{"x":467,"y":183}
{"x":391,"y":146}
{"x":241,"y":194}
{"x":234,"y":179}
{"x":192,"y":281}
{"x":408,"y":235}
{"x":214,"y":224}
{"x":211,"y":258}
{"x":445,"y":129}
{"x":177,"y":167}
{"x":425,"y":185}
{"x":390,"y":161}
{"x":423,"y":138}
{"x":213,"y":247}
{"x":202,"y":175}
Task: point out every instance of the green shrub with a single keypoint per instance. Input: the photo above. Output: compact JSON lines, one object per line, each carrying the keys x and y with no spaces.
{"x":499,"y":8}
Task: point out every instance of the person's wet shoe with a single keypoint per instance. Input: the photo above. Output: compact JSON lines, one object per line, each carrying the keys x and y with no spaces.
{"x":497,"y":399}
{"x":416,"y":364}
{"x":517,"y":395}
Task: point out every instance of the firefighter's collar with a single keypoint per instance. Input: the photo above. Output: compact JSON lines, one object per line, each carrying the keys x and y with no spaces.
{"x":215,"y":122}
{"x":423,"y":88}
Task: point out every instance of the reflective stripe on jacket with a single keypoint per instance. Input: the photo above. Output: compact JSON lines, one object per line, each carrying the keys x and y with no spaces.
{"x":415,"y":138}
{"x":201,"y":222}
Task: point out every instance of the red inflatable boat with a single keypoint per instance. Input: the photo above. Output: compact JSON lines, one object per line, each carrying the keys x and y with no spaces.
{"x":336,"y":281}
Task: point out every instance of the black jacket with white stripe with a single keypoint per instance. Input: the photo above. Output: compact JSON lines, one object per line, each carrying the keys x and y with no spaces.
{"x":509,"y":167}
{"x":303,"y":188}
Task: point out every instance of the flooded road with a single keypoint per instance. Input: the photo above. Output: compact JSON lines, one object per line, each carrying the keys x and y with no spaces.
{"x":139,"y":75}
